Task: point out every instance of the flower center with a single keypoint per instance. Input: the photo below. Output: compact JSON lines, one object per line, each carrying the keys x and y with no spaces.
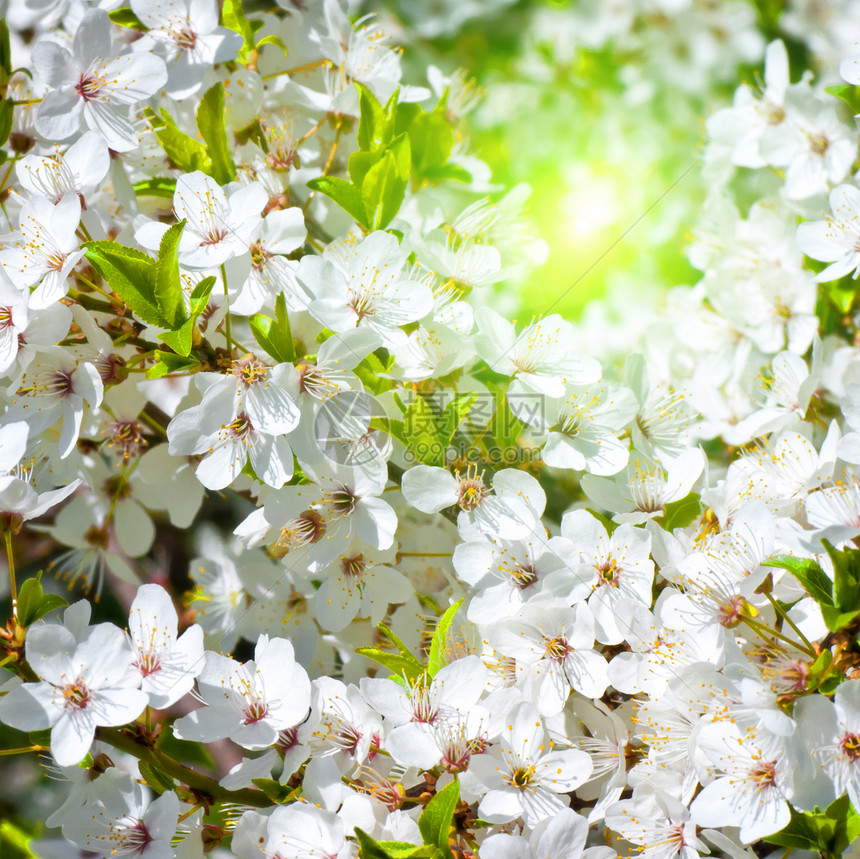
{"x":764,"y":773}
{"x":471,"y":491}
{"x":557,"y":648}
{"x":307,"y":527}
{"x":249,"y":370}
{"x":353,"y":567}
{"x":76,"y":695}
{"x":608,"y":573}
{"x":131,"y":835}
{"x":88,"y":86}
{"x":254,"y":712}
{"x":851,"y":747}
{"x":522,"y":777}
{"x":148,"y":663}
{"x":186,"y":40}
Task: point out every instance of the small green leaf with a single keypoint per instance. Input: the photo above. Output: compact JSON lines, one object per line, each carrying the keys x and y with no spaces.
{"x":211,"y":123}
{"x":274,"y":335}
{"x":277,"y":792}
{"x":807,"y":571}
{"x":848,"y":93}
{"x":183,"y":151}
{"x":5,"y":52}
{"x":199,"y":298}
{"x":181,"y":339}
{"x":126,"y":18}
{"x":402,"y":664}
{"x":344,"y":193}
{"x":436,"y":659}
{"x":384,"y":187}
{"x":272,"y":39}
{"x":185,"y":750}
{"x":7,"y":109}
{"x":376,"y":124}
{"x":158,"y":187}
{"x":34,"y":603}
{"x":435,"y":820}
{"x":159,"y":782}
{"x":453,"y":415}
{"x":131,"y":275}
{"x":168,"y":283}
{"x":234,"y":18}
{"x":846,"y":577}
{"x":421,"y":430}
{"x":679,"y":514}
{"x":369,"y":848}
{"x":168,"y":362}
{"x":836,"y":620}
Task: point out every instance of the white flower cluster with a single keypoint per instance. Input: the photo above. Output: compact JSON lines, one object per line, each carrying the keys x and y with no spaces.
{"x":503,"y":601}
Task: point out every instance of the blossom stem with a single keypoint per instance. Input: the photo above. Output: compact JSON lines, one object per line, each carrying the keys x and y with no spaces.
{"x":297,"y":69}
{"x":87,"y":282}
{"x":784,"y":615}
{"x":21,"y":751}
{"x":227,"y":332}
{"x":13,"y":588}
{"x":766,"y":632}
{"x":184,"y":774}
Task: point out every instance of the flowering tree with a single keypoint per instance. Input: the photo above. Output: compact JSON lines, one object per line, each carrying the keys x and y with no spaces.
{"x":370,"y":569}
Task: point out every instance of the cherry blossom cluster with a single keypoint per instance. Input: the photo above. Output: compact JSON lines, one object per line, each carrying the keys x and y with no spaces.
{"x":390,"y":574}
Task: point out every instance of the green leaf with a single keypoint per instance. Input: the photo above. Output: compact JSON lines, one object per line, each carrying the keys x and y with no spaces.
{"x":185,"y":750}
{"x":168,"y":283}
{"x":211,"y":123}
{"x":160,"y":782}
{"x":432,"y":139}
{"x":828,"y":833}
{"x":376,"y":124}
{"x":277,"y":792}
{"x":384,"y":187}
{"x":233,"y":17}
{"x":449,"y":172}
{"x":360,"y":163}
{"x":435,"y":820}
{"x":274,"y":335}
{"x":453,"y":415}
{"x":398,"y":665}
{"x":7,"y":109}
{"x":848,"y":93}
{"x":837,"y":620}
{"x":199,"y":298}
{"x":5,"y":52}
{"x":126,"y":18}
{"x":181,"y":339}
{"x":402,"y":664}
{"x":182,"y":150}
{"x":679,"y":514}
{"x":131,"y":275}
{"x":34,"y":603}
{"x":370,"y":848}
{"x":272,"y":39}
{"x":344,"y":193}
{"x":807,"y":571}
{"x":436,"y":659}
{"x":846,"y":577}
{"x":168,"y":362}
{"x":421,"y":430}
{"x":158,"y":187}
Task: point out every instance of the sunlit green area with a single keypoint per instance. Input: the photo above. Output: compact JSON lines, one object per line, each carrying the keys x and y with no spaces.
{"x":608,"y":137}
